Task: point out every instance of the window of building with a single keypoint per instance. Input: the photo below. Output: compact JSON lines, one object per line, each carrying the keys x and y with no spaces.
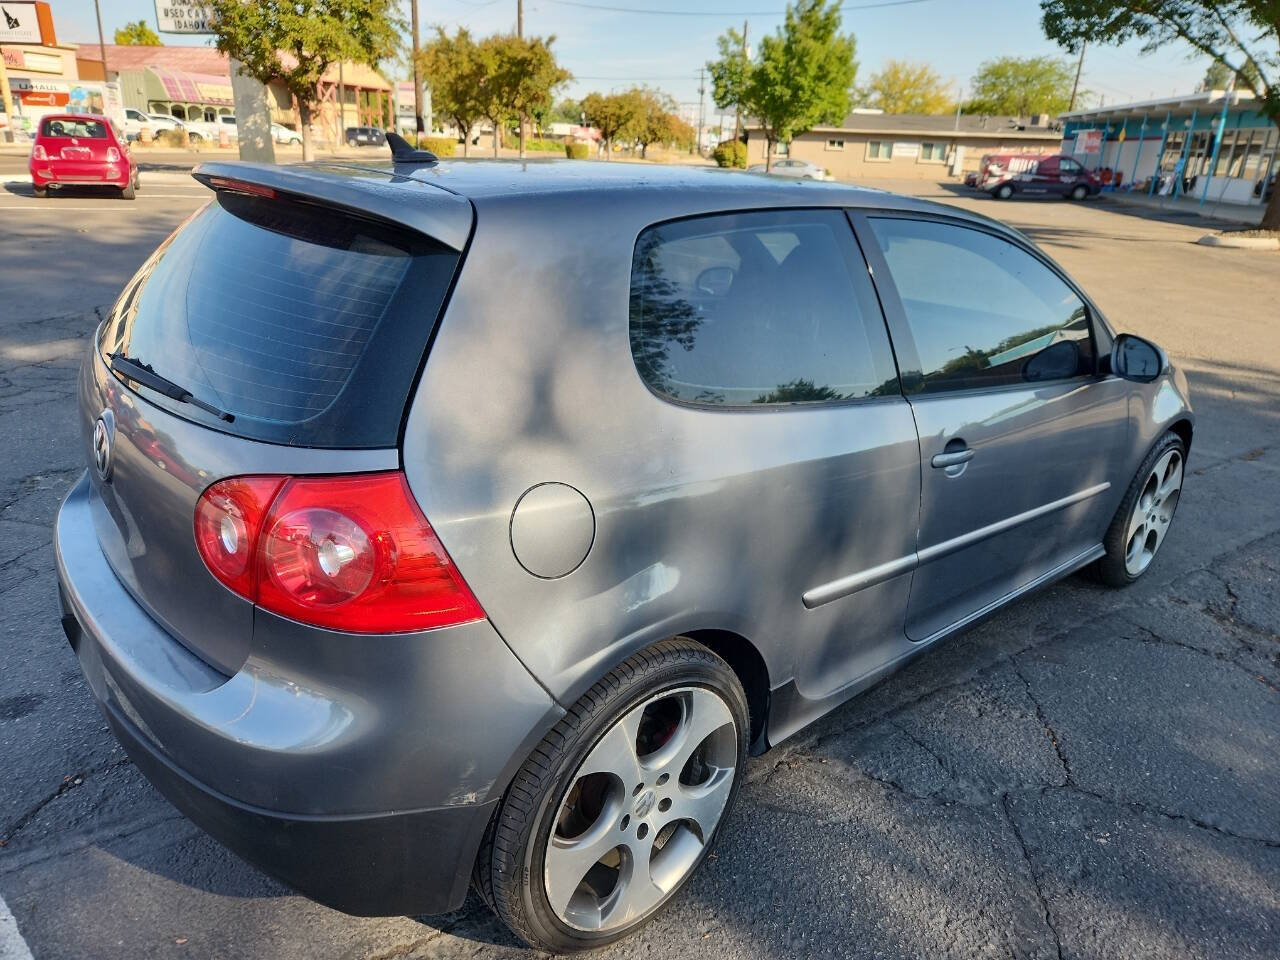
{"x":879,"y":150}
{"x":757,"y":309}
{"x":983,"y":312}
{"x":835,"y":144}
{"x":933,"y":153}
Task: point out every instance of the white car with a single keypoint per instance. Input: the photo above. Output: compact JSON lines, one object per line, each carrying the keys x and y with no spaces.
{"x":282,"y":134}
{"x":786,"y":167}
{"x":209,"y":129}
{"x":162,"y":121}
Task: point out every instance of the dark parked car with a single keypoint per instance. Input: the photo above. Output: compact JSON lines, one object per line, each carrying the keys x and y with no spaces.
{"x":365,"y":137}
{"x":452,"y":556}
{"x":1053,"y":175}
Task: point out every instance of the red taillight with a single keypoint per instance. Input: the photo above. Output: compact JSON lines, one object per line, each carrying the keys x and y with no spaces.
{"x":113,"y":155}
{"x":38,"y":152}
{"x":229,"y":518}
{"x":352,"y":553}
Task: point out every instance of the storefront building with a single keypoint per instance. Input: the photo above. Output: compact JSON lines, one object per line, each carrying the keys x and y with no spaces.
{"x":910,"y":146}
{"x":194,"y":84}
{"x":43,"y":73}
{"x":1214,"y":146}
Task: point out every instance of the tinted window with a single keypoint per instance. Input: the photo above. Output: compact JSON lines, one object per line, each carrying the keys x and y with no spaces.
{"x":757,"y":308}
{"x":68,"y":127}
{"x":983,"y":311}
{"x":306,"y":325}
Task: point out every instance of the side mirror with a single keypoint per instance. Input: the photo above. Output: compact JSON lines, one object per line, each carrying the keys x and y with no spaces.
{"x":1059,"y":361}
{"x":1136,"y":359}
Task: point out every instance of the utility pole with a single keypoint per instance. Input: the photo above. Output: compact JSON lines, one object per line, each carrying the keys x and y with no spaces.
{"x":342,"y":107}
{"x":1076,"y":85}
{"x":417,"y":73}
{"x":102,"y":44}
{"x":702,"y":89}
{"x":520,"y":33}
{"x":737,"y":107}
{"x":6,"y":100}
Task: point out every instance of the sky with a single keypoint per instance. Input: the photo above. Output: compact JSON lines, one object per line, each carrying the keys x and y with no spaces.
{"x":610,"y":49}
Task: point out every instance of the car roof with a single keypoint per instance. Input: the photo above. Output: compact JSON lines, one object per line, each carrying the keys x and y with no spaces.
{"x":395,"y":191}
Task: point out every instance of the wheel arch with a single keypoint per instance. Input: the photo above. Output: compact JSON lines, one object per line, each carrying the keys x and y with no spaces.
{"x":753,"y":673}
{"x":1183,"y":428}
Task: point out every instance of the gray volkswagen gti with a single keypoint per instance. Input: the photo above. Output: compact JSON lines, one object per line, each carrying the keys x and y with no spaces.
{"x":457,"y":524}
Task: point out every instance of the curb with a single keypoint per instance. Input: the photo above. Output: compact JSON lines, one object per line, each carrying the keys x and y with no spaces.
{"x":1240,"y":243}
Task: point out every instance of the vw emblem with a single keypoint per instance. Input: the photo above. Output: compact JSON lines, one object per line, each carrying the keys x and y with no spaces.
{"x":103,"y":433}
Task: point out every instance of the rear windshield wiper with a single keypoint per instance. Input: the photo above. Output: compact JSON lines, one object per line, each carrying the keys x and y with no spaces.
{"x":145,"y":375}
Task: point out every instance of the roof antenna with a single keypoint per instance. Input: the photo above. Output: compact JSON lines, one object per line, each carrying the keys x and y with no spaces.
{"x":403,"y":152}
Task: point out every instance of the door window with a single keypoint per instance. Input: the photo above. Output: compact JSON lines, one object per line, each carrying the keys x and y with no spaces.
{"x":982,"y":311}
{"x":756,"y":309}
{"x":1067,"y":165}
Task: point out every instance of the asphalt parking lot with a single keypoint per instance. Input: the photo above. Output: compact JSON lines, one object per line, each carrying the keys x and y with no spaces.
{"x":1089,"y":774}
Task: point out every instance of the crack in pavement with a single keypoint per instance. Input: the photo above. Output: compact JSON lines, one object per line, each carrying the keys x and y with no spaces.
{"x":1044,"y":721}
{"x":1031,"y":869}
{"x":69,"y":783}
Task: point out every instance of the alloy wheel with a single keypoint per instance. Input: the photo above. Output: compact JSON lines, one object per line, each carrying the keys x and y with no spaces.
{"x":1153,"y":513}
{"x":641,"y":809}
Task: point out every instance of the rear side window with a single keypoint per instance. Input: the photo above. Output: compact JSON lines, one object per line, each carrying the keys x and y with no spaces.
{"x":983,"y":312}
{"x":757,"y":308}
{"x":304,"y":323}
{"x":68,"y":127}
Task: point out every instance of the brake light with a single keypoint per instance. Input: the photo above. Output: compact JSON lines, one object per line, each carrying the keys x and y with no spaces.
{"x":113,"y":155}
{"x":229,"y":517}
{"x":38,"y":152}
{"x":351,"y":553}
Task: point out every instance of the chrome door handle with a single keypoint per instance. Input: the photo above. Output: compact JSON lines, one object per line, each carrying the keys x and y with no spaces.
{"x":953,"y":459}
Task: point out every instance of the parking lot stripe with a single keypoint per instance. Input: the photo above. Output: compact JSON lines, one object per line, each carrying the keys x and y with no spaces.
{"x":12,"y":946}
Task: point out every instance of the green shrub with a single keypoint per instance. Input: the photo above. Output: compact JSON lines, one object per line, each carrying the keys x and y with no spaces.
{"x":544,"y":146}
{"x":440,"y":146}
{"x":577,"y":151}
{"x":731,"y":153}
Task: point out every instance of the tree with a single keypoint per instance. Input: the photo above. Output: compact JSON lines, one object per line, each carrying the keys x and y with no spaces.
{"x":1022,"y":86}
{"x":730,"y":75}
{"x":566,"y":111}
{"x":905,"y":87}
{"x":1217,"y":77}
{"x":1242,"y":35}
{"x":137,"y":34}
{"x":803,"y":74}
{"x":613,"y":114}
{"x":655,"y":120}
{"x":531,"y":75}
{"x":296,"y":41}
{"x":453,"y":68}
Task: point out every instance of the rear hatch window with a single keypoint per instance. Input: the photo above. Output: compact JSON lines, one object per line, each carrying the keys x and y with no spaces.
{"x":304,"y":324}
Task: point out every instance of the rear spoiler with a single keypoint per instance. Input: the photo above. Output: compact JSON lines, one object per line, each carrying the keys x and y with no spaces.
{"x":430,"y":210}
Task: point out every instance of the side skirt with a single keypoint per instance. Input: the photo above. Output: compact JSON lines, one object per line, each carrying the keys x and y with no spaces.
{"x":790,"y":711}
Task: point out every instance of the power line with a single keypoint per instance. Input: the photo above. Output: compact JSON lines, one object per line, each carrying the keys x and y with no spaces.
{"x":649,"y":11}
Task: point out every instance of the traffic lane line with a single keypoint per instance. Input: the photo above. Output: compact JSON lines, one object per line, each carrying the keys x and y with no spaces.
{"x":12,"y":945}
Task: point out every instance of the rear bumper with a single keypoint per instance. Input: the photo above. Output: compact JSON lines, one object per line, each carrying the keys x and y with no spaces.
{"x":80,"y":174}
{"x":361,"y":771}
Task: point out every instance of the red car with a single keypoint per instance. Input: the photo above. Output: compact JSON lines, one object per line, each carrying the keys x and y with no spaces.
{"x":81,"y":149}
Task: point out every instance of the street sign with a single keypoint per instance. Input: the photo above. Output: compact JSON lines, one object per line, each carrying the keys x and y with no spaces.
{"x":182,"y":17}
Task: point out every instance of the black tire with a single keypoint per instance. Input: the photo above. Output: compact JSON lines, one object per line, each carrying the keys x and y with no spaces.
{"x":509,"y":873}
{"x":351,"y":143}
{"x":41,"y":193}
{"x":1003,"y":192}
{"x":1111,"y":570}
{"x":129,"y":192}
{"x":1079,"y":193}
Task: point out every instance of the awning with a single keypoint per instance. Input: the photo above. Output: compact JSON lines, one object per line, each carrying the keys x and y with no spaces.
{"x":202,"y":88}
